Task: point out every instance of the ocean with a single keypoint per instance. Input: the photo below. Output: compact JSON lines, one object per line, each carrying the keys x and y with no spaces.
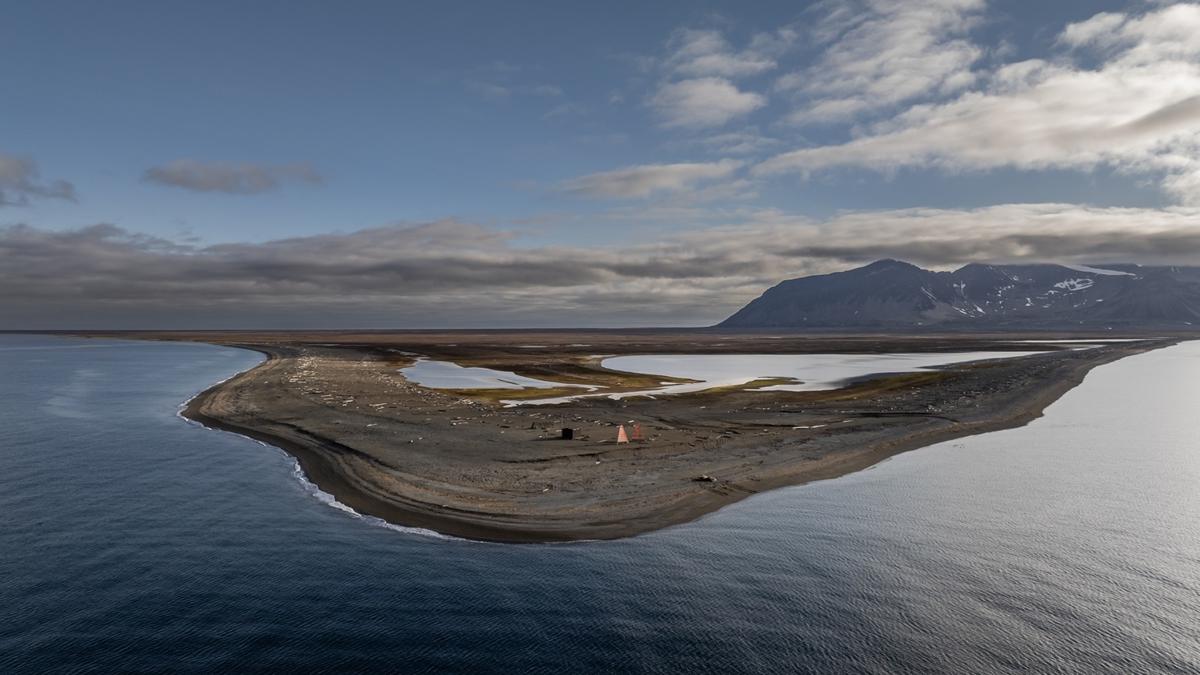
{"x":132,"y":540}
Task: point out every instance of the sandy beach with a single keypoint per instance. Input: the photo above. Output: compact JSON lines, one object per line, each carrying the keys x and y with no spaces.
{"x":461,"y":463}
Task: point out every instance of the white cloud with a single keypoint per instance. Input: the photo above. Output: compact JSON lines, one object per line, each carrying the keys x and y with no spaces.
{"x":644,"y":180}
{"x":1137,"y":111}
{"x":1171,"y":33}
{"x":703,"y":102}
{"x":879,"y":53}
{"x":699,"y":53}
{"x":1092,"y":30}
{"x":744,"y":142}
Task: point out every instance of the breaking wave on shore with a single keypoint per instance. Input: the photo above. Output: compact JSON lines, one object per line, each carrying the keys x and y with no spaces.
{"x":331,"y":501}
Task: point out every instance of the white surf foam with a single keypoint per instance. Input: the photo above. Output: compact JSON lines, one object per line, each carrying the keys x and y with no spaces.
{"x":309,"y":487}
{"x":331,"y":501}
{"x":322,"y":496}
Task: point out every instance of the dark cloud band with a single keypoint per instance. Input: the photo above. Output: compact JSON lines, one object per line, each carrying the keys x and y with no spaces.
{"x":244,"y":179}
{"x":450,"y":273}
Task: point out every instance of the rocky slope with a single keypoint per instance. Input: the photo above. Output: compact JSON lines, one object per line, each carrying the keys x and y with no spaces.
{"x":891,"y":293}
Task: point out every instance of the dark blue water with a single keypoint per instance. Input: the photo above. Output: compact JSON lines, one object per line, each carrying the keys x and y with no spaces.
{"x":131,"y":540}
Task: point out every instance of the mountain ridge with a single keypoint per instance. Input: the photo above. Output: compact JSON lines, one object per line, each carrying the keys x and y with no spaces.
{"x":892,"y":293}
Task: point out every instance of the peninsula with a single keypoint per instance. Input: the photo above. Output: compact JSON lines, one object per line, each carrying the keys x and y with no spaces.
{"x":492,"y":463}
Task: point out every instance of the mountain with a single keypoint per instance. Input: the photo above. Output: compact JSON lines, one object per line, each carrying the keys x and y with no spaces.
{"x":895,"y":294}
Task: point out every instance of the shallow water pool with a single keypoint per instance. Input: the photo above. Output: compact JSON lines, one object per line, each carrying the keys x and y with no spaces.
{"x":808,"y":372}
{"x":447,"y":375}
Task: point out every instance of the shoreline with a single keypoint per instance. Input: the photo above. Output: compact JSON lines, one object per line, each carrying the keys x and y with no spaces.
{"x":316,"y":460}
{"x":368,"y":483}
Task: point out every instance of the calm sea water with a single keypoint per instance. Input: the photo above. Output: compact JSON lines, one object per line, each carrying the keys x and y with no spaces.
{"x":131,"y":540}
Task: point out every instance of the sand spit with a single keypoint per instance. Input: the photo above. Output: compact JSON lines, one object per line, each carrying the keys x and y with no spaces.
{"x":460,"y":463}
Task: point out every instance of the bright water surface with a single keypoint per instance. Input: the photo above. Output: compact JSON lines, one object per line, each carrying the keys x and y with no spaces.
{"x":131,"y":540}
{"x":447,"y":375}
{"x":809,"y":372}
{"x":813,"y":372}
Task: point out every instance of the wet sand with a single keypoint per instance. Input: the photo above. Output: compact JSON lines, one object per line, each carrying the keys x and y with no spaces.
{"x":460,"y":463}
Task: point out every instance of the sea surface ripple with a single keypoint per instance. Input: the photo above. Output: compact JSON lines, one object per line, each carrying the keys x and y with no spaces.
{"x":132,"y":541}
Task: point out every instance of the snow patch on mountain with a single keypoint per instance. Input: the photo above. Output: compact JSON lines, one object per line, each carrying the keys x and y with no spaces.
{"x":890,"y":293}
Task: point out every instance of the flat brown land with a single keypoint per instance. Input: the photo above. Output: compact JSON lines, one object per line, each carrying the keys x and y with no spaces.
{"x":461,"y":463}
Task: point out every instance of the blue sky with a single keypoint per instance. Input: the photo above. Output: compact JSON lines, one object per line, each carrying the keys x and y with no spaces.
{"x":650,"y":132}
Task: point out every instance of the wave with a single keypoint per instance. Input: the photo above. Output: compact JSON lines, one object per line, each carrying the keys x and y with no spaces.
{"x":330,"y":500}
{"x":322,"y":496}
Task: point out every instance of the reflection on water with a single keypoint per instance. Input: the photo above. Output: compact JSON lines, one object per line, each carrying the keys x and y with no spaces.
{"x":133,"y":541}
{"x":447,"y":375}
{"x":807,"y":372}
{"x":812,"y":372}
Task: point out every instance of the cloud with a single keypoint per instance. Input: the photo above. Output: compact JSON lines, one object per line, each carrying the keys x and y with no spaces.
{"x":703,"y":102}
{"x":699,"y":53}
{"x":20,"y":182}
{"x":747,"y":141}
{"x":565,"y":109}
{"x":1168,"y":33}
{"x":1136,"y":111}
{"x":1092,"y":30}
{"x":451,"y":273}
{"x":697,"y":89}
{"x":242,"y":179}
{"x":879,"y":53}
{"x":489,"y":90}
{"x":502,"y":92}
{"x":1045,"y":232}
{"x":642,"y":181}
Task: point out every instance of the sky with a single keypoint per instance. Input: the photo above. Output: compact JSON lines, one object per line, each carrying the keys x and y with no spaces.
{"x":544,"y":164}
